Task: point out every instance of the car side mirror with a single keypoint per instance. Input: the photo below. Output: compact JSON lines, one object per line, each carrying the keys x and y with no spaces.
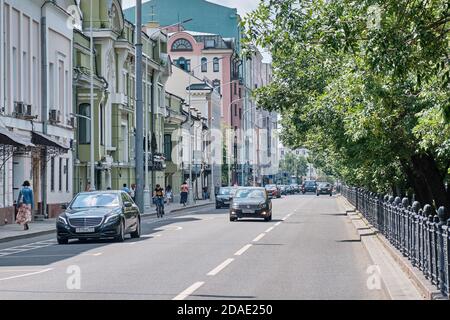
{"x":64,"y":206}
{"x":127,"y":204}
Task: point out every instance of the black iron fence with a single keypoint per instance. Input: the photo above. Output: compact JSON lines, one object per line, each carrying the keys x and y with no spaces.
{"x":420,"y":234}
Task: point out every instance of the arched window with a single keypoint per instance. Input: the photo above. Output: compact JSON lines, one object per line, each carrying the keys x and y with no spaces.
{"x":181,"y":45}
{"x":216,"y":64}
{"x":204,"y":65}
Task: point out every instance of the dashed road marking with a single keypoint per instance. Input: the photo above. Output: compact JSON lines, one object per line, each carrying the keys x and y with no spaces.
{"x":186,"y":293}
{"x":259,"y":237}
{"x":270,"y":229}
{"x":277,"y":224}
{"x":26,"y":274}
{"x":220,"y":267}
{"x":242,"y":250}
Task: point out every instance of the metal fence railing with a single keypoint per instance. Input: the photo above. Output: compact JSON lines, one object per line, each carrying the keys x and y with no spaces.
{"x":420,"y":234}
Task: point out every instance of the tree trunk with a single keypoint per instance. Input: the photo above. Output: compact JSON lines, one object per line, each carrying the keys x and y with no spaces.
{"x":425,"y":166}
{"x":422,"y":193}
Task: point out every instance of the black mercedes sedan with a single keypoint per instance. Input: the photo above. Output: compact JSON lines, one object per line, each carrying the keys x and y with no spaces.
{"x":251,"y":202}
{"x":102,"y":214}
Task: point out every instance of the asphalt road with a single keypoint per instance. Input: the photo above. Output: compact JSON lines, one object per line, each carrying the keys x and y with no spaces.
{"x":310,"y":250}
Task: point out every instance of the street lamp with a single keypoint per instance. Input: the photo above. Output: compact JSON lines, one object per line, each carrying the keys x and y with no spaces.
{"x":92,"y":149}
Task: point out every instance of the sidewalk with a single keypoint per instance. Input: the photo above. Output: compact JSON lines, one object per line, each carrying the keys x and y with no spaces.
{"x":11,"y":232}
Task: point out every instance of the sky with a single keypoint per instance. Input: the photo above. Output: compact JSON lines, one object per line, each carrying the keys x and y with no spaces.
{"x":243,"y":6}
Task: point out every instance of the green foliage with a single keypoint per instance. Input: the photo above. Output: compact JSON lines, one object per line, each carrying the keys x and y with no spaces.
{"x":365,"y":97}
{"x":294,"y":165}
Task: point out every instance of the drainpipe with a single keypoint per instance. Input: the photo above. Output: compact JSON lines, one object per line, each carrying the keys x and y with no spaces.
{"x":44,"y":106}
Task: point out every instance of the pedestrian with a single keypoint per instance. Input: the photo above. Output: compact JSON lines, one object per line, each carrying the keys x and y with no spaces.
{"x":25,"y":203}
{"x":169,"y":194}
{"x":88,"y":186}
{"x":133,"y":192}
{"x":184,"y":193}
{"x":205,"y":193}
{"x":126,"y":189}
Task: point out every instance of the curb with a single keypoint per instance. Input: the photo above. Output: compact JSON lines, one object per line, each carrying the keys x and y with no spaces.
{"x":425,"y":288}
{"x":47,"y":232}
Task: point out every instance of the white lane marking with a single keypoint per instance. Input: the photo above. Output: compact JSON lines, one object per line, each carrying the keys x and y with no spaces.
{"x":97,"y":254}
{"x":146,"y":236}
{"x":157,"y":236}
{"x":277,"y":224}
{"x":17,"y":270}
{"x":259,"y":237}
{"x":220,"y":267}
{"x":285,"y":218}
{"x":270,"y":229}
{"x":183,"y":295}
{"x":26,"y":274}
{"x":242,"y":250}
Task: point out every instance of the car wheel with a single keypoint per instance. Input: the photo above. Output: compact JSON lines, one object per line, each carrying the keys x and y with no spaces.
{"x":217,"y":207}
{"x":137,"y":233}
{"x":267,"y":219}
{"x":82,"y":240}
{"x":62,"y":240}
{"x":121,"y":233}
{"x":232,"y":219}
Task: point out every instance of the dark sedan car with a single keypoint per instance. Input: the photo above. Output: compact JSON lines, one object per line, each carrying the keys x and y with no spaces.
{"x":309,"y":186}
{"x":251,"y":202}
{"x":223,"y":197}
{"x":324,"y":188}
{"x":102,"y":214}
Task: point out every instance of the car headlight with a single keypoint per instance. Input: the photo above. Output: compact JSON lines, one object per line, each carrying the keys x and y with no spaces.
{"x":112,"y":218}
{"x":62,"y":220}
{"x":235,"y":206}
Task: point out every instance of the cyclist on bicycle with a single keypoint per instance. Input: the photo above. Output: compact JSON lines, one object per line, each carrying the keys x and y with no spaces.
{"x":158,"y":195}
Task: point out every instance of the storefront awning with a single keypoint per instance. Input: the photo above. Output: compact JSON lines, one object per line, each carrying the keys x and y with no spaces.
{"x":44,"y":140}
{"x":12,"y":139}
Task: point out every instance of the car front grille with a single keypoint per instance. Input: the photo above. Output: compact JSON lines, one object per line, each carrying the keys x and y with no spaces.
{"x":85,"y":222}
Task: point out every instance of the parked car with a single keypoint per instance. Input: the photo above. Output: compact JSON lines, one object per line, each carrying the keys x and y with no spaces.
{"x":309,"y":186}
{"x":273,"y":190}
{"x":101,"y":214}
{"x":295,"y":188}
{"x":324,"y":188}
{"x":283,"y":190}
{"x":223,"y":197}
{"x":251,"y":202}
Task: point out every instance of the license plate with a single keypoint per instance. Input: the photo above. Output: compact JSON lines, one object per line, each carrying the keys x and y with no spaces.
{"x":85,"y":230}
{"x":248,"y":211}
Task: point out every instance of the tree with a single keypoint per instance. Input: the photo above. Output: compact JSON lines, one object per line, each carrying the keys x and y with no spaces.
{"x":365,"y":87}
{"x":294,"y":165}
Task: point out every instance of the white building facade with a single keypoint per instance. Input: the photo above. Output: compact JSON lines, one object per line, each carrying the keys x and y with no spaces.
{"x":35,"y":103}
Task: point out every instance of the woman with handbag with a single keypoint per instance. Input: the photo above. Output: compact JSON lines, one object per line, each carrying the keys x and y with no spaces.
{"x":25,"y":205}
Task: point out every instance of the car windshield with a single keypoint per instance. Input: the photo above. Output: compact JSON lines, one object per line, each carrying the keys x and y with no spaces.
{"x":95,"y":200}
{"x":249,"y":193}
{"x":324,"y":185}
{"x":310,"y":183}
{"x":270,"y":186}
{"x":225,"y":191}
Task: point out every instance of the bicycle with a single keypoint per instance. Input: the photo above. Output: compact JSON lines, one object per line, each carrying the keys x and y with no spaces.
{"x":159,"y":201}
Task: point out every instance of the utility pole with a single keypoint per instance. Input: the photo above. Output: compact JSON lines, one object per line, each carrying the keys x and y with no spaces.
{"x":139,"y":157}
{"x":92,"y":145}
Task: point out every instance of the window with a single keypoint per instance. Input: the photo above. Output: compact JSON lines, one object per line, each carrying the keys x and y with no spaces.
{"x":84,"y":126}
{"x":61,"y":86}
{"x":181,"y":45}
{"x":235,"y":88}
{"x":67,"y":175}
{"x":211,"y":43}
{"x":51,"y":78}
{"x":204,"y":65}
{"x":235,"y":110}
{"x":216,"y":64}
{"x":60,"y":174}
{"x":240,"y":113}
{"x":184,"y":64}
{"x":52,"y":174}
{"x":15,"y":74}
{"x":168,"y":147}
{"x":240,"y":93}
{"x":216,"y":84}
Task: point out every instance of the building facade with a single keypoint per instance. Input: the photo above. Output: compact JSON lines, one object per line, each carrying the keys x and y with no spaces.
{"x":35,"y":104}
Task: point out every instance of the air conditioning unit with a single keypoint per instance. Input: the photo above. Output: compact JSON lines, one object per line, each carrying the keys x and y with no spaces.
{"x":54,"y":116}
{"x":19,"y":109}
